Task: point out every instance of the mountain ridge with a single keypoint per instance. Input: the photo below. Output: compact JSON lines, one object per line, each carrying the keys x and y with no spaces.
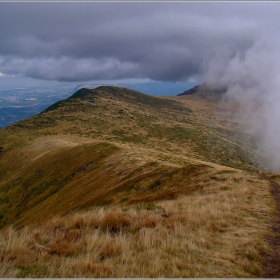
{"x":112,"y":91}
{"x":115,"y":163}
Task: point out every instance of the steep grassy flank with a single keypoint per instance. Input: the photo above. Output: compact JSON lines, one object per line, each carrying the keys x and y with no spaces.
{"x":65,"y":179}
{"x":45,"y":176}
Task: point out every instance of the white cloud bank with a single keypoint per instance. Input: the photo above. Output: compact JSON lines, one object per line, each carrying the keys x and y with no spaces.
{"x":253,"y":80}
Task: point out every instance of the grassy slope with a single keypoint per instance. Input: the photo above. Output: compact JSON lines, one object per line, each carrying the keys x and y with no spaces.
{"x":117,"y":116}
{"x":215,"y":231}
{"x":117,"y":147}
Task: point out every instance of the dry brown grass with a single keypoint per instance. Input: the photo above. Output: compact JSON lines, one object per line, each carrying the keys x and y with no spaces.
{"x":173,"y":208}
{"x":215,"y":233}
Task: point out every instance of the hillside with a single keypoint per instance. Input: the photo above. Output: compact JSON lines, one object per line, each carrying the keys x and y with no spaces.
{"x":115,"y":165}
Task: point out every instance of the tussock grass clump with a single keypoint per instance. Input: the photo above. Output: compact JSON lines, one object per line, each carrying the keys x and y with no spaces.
{"x":218,"y":233}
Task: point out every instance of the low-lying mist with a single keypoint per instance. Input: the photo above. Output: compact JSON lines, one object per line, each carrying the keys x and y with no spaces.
{"x":252,"y":79}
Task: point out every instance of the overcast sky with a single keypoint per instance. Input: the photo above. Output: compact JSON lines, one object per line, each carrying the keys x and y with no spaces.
{"x":164,"y":41}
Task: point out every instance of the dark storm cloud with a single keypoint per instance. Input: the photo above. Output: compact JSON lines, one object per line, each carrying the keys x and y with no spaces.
{"x":161,"y":41}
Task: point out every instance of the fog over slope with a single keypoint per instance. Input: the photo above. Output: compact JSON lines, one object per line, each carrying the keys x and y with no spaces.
{"x":253,"y":80}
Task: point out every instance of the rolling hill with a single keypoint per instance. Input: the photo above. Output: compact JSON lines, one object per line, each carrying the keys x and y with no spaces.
{"x":98,"y":181}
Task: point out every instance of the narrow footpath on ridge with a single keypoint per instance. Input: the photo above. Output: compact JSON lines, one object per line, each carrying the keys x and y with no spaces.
{"x":271,"y":265}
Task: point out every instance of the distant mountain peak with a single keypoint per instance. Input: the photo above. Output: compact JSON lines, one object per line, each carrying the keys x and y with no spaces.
{"x":206,"y":90}
{"x":113,"y":93}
